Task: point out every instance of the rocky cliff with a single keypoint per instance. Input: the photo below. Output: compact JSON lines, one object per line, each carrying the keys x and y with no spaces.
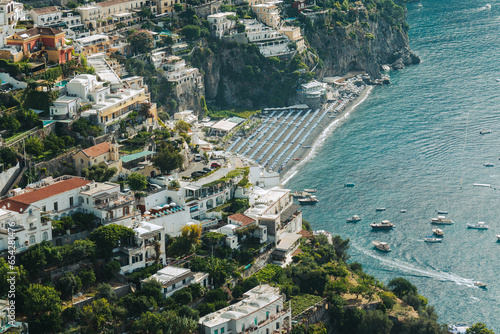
{"x":362,"y":46}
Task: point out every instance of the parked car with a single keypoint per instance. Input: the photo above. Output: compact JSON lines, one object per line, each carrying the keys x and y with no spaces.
{"x":207,"y":169}
{"x":197,"y":157}
{"x":215,"y":165}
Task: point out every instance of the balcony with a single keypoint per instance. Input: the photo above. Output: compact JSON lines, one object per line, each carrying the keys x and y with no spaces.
{"x":116,"y":203}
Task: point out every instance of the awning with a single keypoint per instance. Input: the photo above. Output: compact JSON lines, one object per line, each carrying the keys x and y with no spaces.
{"x":193,"y":187}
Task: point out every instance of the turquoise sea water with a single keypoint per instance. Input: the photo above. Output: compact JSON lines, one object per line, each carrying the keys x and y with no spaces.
{"x":405,"y":148}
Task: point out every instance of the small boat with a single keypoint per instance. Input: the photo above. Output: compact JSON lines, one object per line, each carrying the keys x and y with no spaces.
{"x":498,"y":79}
{"x":402,"y":210}
{"x":484,"y":132}
{"x":309,"y":200}
{"x":488,"y":6}
{"x":433,"y":239}
{"x":489,"y":164}
{"x":478,"y":226}
{"x":380,"y":209}
{"x":354,"y":219}
{"x":438,"y":232}
{"x":480,"y":285}
{"x":459,"y":328}
{"x":498,"y":237}
{"x":306,"y":146}
{"x":383,"y":246}
{"x":384,"y":225}
{"x":349,"y":185}
{"x":300,"y":194}
{"x":441,"y":220}
{"x":442,"y":212}
{"x":311,"y":191}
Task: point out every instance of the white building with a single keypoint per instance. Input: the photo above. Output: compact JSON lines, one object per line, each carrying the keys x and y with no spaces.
{"x":240,"y":222}
{"x":10,"y":13}
{"x":81,"y":43}
{"x":174,"y":279}
{"x":23,"y":222}
{"x":220,"y":24}
{"x":65,"y":107}
{"x":261,"y":311}
{"x":105,"y":200}
{"x":314,"y":89}
{"x":186,"y":116}
{"x":45,"y":15}
{"x":139,"y":252}
{"x":275,"y":209}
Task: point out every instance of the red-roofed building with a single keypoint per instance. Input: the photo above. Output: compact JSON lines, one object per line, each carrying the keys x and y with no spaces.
{"x":41,"y":43}
{"x":106,"y":152}
{"x":22,"y":214}
{"x":241,"y":220}
{"x":58,"y":198}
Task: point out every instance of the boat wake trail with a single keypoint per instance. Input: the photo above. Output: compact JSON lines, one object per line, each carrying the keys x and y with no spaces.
{"x":418,"y":272}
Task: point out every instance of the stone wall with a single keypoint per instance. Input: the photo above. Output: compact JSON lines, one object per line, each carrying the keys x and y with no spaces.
{"x":62,"y":164}
{"x":202,"y":11}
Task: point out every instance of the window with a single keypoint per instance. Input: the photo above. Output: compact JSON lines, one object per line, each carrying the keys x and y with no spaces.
{"x":32,"y":240}
{"x":44,"y":208}
{"x":267,"y":315}
{"x":277,"y":325}
{"x":45,"y":236}
{"x":56,"y":207}
{"x":222,"y":330}
{"x":71,"y":201}
{"x":255,"y":320}
{"x":216,"y":331}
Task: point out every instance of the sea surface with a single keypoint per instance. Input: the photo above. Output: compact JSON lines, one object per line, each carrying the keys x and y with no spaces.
{"x":415,"y":145}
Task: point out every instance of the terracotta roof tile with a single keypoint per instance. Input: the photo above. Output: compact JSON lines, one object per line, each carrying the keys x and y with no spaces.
{"x":97,"y":150}
{"x":111,"y":3}
{"x":305,"y":233}
{"x":46,"y":10}
{"x":245,"y":220}
{"x":43,"y":193}
{"x":39,"y":31}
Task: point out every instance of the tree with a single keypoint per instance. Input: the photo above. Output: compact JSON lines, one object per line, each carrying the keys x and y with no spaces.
{"x":97,"y":315}
{"x":85,"y":128}
{"x":182,"y":297}
{"x":153,"y":289}
{"x":479,"y":328}
{"x":164,"y":322}
{"x":104,"y":290}
{"x":107,"y":237}
{"x":182,"y":127}
{"x":99,"y":173}
{"x":141,"y":41}
{"x":191,"y":31}
{"x":178,"y":7}
{"x":43,"y":309}
{"x":87,"y":277}
{"x":8,"y":156}
{"x":34,"y":146}
{"x":192,"y":233}
{"x":240,"y":27}
{"x":137,"y":182}
{"x":53,"y":143}
{"x":375,"y":322}
{"x":402,"y":287}
{"x":167,"y":158}
{"x":69,"y":284}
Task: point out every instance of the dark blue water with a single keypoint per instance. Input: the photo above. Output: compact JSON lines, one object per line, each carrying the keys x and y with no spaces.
{"x":405,"y":148}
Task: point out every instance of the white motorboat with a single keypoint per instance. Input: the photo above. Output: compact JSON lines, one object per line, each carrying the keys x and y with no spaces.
{"x":354,"y":219}
{"x":383,"y":246}
{"x":384,"y":225}
{"x":498,"y":237}
{"x":438,"y":232}
{"x":484,"y":132}
{"x":459,"y":328}
{"x":433,"y":239}
{"x":309,"y":200}
{"x":478,"y":226}
{"x":480,"y":285}
{"x":442,"y":212}
{"x":311,"y":191}
{"x":489,"y":164}
{"x":488,"y":6}
{"x":380,"y":209}
{"x":441,"y":220}
{"x":402,"y":210}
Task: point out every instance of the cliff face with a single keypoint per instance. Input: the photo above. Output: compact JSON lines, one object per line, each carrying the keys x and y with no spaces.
{"x":237,"y":75}
{"x":362,"y":47}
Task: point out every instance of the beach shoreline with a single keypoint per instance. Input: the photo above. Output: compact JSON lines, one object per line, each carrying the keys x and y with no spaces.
{"x":322,"y":134}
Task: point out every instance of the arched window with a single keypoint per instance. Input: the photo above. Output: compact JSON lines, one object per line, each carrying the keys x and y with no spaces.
{"x":32,"y":240}
{"x":45,"y":236}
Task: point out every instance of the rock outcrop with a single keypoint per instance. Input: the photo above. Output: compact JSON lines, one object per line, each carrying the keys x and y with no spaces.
{"x":362,"y":47}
